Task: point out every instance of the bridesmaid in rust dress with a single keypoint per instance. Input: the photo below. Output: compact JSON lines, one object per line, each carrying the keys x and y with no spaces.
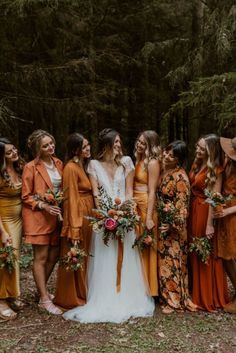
{"x":147,"y":173}
{"x":71,"y":289}
{"x":227,"y":217}
{"x":209,"y":286}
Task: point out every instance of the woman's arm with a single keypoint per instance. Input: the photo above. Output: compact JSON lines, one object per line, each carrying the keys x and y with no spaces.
{"x":210,"y":227}
{"x":181,"y":200}
{"x":6,"y":238}
{"x":153,"y":178}
{"x":28,"y":188}
{"x":129,"y":185}
{"x":224,"y":212}
{"x":73,"y":214}
{"x":94,"y":184}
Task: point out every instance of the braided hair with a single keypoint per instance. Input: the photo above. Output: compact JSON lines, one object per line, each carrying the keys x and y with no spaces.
{"x":35,"y":139}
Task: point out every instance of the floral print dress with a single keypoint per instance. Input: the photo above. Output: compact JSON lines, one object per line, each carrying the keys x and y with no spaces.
{"x":173,"y":275}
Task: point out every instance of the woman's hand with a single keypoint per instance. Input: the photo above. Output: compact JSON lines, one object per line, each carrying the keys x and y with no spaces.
{"x":75,"y":241}
{"x":222,"y":213}
{"x":6,"y":238}
{"x":164,"y":228}
{"x":150,"y":224}
{"x":53,"y":210}
{"x":210,"y":231}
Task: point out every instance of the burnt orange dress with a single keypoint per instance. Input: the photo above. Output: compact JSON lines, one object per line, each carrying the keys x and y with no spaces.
{"x":209,"y":284}
{"x":71,"y":288}
{"x":227,"y":225}
{"x":148,"y":255}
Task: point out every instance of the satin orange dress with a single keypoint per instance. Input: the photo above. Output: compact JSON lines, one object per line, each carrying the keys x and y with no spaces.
{"x":71,"y":288}
{"x":227,"y":225}
{"x":148,"y":255}
{"x":10,"y":213}
{"x":209,"y":283}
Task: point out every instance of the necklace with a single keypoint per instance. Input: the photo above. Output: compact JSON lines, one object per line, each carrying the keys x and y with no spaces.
{"x":50,"y":166}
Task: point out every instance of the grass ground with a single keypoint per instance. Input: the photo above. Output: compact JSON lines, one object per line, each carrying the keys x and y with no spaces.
{"x":37,"y":332}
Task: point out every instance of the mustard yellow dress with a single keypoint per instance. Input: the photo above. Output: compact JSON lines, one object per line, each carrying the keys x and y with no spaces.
{"x":10,"y":213}
{"x":148,"y":255}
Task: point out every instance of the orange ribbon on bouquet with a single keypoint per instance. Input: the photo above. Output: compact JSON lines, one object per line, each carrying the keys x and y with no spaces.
{"x":119,"y":264}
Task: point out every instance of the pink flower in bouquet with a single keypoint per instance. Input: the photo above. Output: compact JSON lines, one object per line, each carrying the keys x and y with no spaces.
{"x":74,"y":259}
{"x":110,"y":224}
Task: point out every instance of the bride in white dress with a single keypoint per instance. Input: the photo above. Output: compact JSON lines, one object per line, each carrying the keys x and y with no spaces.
{"x":104,"y":303}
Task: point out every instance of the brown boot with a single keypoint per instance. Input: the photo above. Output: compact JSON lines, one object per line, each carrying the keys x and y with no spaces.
{"x":231,"y":307}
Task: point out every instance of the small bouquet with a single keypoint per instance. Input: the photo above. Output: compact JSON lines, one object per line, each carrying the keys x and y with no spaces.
{"x":113,"y":219}
{"x":145,"y":241}
{"x":52,"y":198}
{"x":166,"y":213}
{"x":216,"y":198}
{"x":202,"y":247}
{"x":74,"y":259}
{"x":7,"y":258}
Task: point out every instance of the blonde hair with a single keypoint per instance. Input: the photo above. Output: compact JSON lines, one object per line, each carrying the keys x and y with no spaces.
{"x":153,"y":149}
{"x":35,"y":139}
{"x":214,"y":159}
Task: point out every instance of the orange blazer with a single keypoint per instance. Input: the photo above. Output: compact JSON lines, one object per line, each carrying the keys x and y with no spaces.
{"x":35,"y":180}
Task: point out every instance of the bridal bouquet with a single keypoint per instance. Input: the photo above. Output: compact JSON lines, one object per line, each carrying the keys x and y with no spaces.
{"x":145,"y":241}
{"x":166,"y":213}
{"x":74,"y":259}
{"x":216,"y":198}
{"x":52,"y":198}
{"x":7,"y":258}
{"x":113,"y":219}
{"x":202,"y":247}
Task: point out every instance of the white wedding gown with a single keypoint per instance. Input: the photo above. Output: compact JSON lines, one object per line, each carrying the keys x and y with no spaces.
{"x":104,"y":303}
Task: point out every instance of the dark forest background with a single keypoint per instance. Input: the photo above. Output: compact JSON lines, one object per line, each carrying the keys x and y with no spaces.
{"x":73,"y":65}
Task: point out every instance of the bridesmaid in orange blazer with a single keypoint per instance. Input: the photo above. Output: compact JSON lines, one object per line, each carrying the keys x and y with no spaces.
{"x":209,"y":286}
{"x":71,"y":289}
{"x":40,"y":220}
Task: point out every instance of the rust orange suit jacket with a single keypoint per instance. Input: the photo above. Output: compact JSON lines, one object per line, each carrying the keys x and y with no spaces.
{"x":35,"y":180}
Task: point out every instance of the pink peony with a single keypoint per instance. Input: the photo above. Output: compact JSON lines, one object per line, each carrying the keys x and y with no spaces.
{"x":110,"y":224}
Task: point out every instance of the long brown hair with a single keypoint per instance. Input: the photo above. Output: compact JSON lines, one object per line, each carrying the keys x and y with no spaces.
{"x":153,"y":149}
{"x":214,"y":160}
{"x":106,"y":139}
{"x":18,"y":165}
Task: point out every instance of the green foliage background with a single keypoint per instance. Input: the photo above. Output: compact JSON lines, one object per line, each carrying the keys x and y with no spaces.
{"x":72,"y":65}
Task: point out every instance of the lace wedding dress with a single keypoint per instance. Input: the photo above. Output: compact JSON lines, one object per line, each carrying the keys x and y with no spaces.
{"x":104,"y":303}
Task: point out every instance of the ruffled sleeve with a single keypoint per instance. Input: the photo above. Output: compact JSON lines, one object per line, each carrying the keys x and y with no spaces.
{"x":128,"y":165}
{"x":91,"y":169}
{"x":181,"y":199}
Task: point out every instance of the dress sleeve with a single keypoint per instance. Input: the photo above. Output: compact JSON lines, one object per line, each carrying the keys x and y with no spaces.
{"x":128,"y":165}
{"x":28,"y":188}
{"x":73,"y":212}
{"x":91,"y":169}
{"x":181,"y":200}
